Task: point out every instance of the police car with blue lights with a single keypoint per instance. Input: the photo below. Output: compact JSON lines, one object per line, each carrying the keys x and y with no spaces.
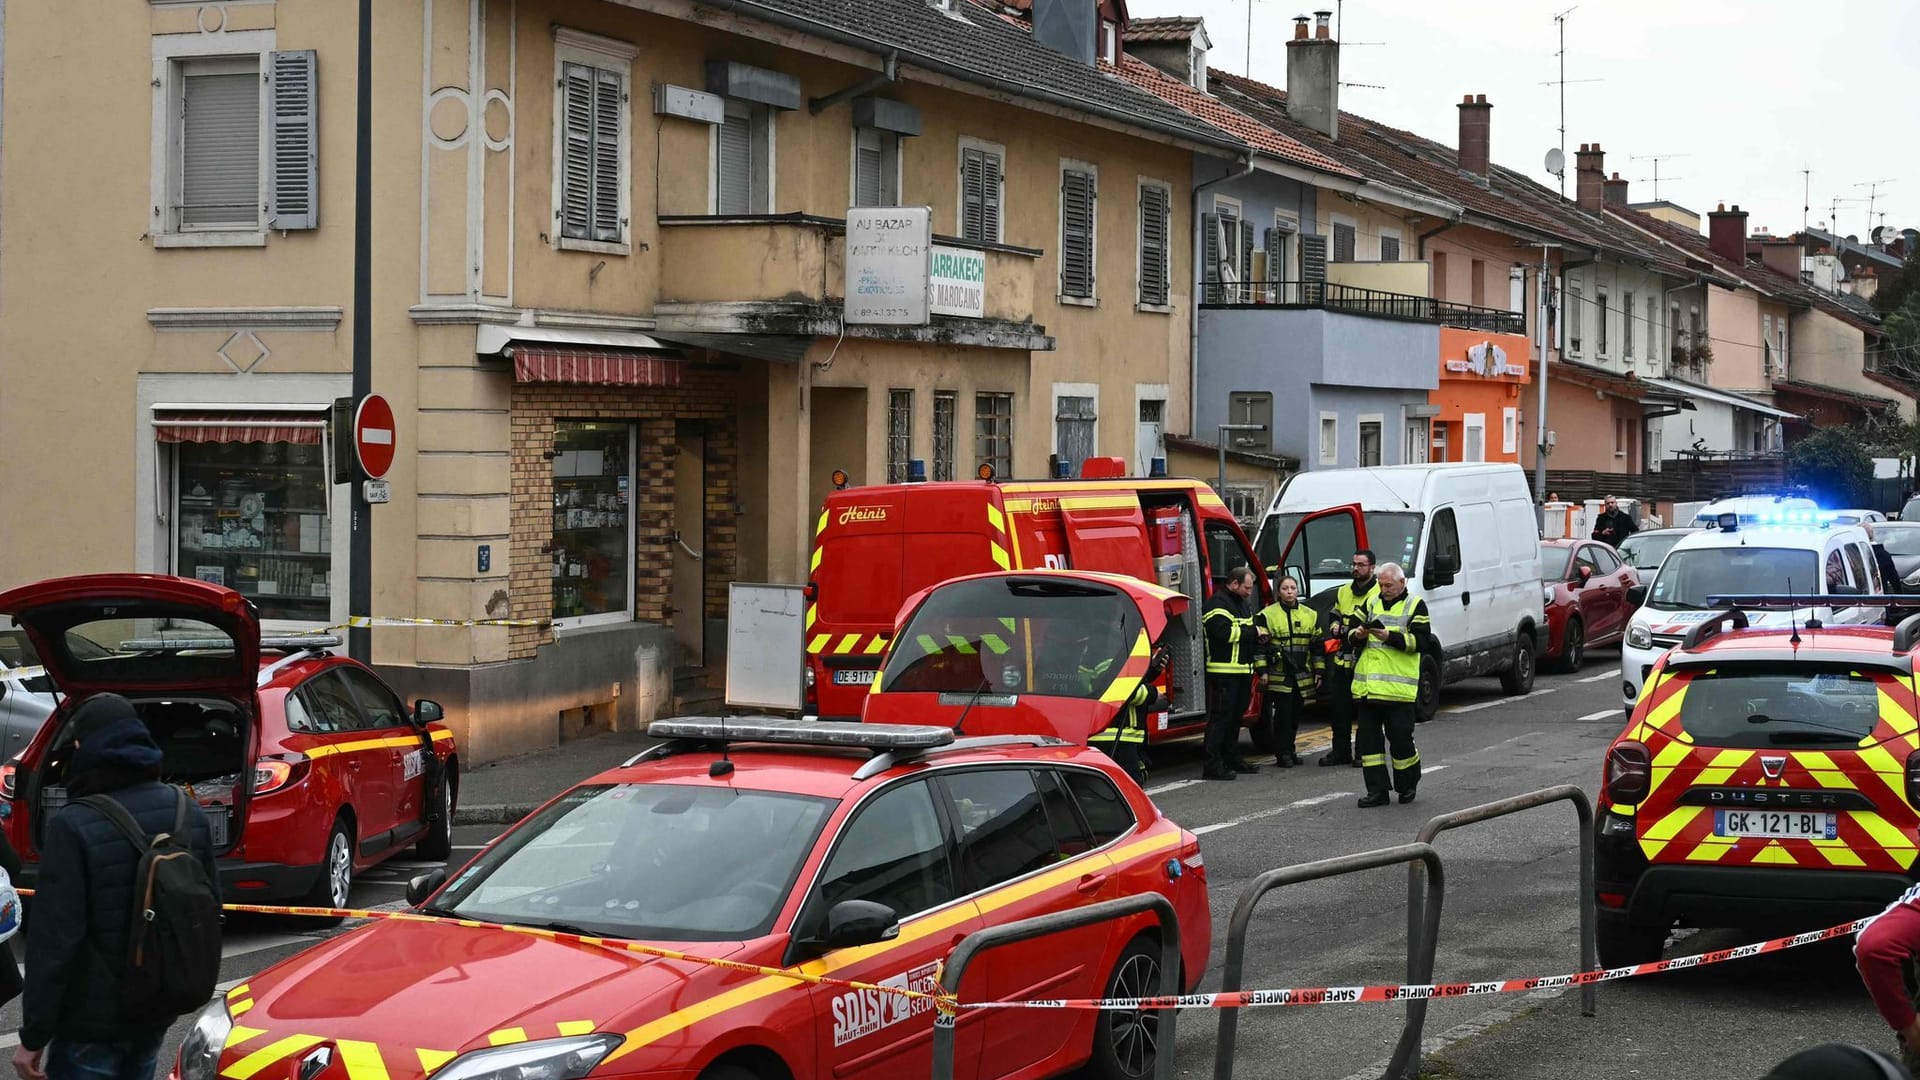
{"x":1787,"y":550}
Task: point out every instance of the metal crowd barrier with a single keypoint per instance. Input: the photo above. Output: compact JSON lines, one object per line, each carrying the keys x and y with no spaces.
{"x":1406,"y":1055}
{"x":1233,"y":977}
{"x":1058,"y":922}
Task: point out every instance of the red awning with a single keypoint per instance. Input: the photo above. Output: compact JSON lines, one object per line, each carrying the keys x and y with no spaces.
{"x":239,"y":426}
{"x":595,"y":367}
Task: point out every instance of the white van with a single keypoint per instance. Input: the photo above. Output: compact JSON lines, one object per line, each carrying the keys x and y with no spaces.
{"x":1468,"y":536}
{"x":1815,"y":557}
{"x":1758,"y":510}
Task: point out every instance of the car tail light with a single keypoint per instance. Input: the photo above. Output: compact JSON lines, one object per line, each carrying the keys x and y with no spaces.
{"x":1630,"y":773}
{"x":1913,"y":779}
{"x":1613,"y":899}
{"x":813,"y":692}
{"x":271,"y":774}
{"x":11,"y":769}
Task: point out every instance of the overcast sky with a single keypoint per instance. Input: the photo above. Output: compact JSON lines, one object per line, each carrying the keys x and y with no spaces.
{"x":1750,"y":91}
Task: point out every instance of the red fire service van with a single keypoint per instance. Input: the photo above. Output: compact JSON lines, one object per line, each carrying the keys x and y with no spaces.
{"x":878,"y":545}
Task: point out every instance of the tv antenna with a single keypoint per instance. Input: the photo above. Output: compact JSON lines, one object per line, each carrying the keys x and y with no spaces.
{"x":1873,"y":192}
{"x":1806,"y":197}
{"x":1560,"y":21}
{"x":1833,"y":215}
{"x":1657,"y":159}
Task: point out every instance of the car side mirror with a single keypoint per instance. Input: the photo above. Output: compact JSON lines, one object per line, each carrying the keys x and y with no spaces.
{"x":1435,"y":577}
{"x":427,"y":711}
{"x":419,"y":888}
{"x":852,"y":923}
{"x":1637,"y":595}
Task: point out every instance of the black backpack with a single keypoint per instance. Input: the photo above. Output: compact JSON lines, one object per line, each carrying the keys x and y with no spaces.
{"x":173,"y":944}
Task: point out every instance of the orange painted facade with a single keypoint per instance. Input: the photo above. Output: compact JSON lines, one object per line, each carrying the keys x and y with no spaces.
{"x":1480,"y":398}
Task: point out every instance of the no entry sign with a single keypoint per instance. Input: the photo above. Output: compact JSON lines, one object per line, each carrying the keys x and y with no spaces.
{"x":373,"y":436}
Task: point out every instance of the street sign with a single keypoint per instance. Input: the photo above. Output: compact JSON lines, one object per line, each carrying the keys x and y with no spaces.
{"x":376,"y":491}
{"x":373,"y":436}
{"x":888,"y":254}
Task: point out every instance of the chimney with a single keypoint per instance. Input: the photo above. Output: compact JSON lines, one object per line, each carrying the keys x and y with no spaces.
{"x":1616,"y":192}
{"x":1865,"y":283}
{"x":1313,"y":75}
{"x":1781,"y":256}
{"x":1476,"y":134}
{"x":1067,"y":26}
{"x":1727,"y":234}
{"x":1590,"y":177}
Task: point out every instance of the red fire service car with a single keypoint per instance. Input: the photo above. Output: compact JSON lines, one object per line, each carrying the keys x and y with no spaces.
{"x":878,"y":545}
{"x":854,"y":851}
{"x":1767,"y":780}
{"x":1051,"y":651}
{"x":309,"y":768}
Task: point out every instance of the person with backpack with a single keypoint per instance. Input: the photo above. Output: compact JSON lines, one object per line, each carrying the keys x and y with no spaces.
{"x":125,"y":934}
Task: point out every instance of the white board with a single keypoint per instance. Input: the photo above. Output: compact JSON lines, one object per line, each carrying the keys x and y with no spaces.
{"x":765,"y":653}
{"x":889,"y":252}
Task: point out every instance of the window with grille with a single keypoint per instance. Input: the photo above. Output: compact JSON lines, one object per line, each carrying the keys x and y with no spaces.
{"x":1074,"y":419}
{"x":1078,"y":190}
{"x":899,"y":434}
{"x":945,"y":406}
{"x":1155,"y":204}
{"x":982,"y":187}
{"x":993,"y":432}
{"x":876,"y":167}
{"x":743,"y":160}
{"x":1343,"y":238}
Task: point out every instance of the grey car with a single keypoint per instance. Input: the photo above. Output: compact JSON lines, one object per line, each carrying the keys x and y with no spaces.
{"x":25,"y":703}
{"x":1902,"y":541}
{"x":1644,"y":550}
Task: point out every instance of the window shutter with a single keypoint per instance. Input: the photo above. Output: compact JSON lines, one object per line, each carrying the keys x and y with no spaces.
{"x":294,"y":201}
{"x":220,"y":149}
{"x":1076,"y":233}
{"x":736,"y":165}
{"x":990,"y":198}
{"x":576,"y":155}
{"x":609,"y":92}
{"x":869,"y":162}
{"x":1245,"y":265}
{"x":973,"y":210}
{"x":1210,"y":254}
{"x":1342,"y":243}
{"x":1153,"y":246}
{"x":1313,"y":261}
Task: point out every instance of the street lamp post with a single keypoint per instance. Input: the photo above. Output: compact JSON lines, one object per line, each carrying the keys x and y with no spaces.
{"x":1542,"y":287}
{"x":1221,"y":487}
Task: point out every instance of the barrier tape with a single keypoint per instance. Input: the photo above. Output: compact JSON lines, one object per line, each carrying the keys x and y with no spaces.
{"x":351,"y":622}
{"x":947,"y":1006}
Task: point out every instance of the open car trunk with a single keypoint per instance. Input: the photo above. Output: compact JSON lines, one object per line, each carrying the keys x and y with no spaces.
{"x":206,"y":745}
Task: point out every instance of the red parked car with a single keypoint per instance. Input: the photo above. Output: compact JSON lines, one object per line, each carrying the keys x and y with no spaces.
{"x":1585,"y":594}
{"x":309,"y":768}
{"x":860,"y":852}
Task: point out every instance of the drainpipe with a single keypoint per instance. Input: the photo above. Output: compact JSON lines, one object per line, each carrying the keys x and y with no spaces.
{"x":1430,"y":234}
{"x":1199,"y":278}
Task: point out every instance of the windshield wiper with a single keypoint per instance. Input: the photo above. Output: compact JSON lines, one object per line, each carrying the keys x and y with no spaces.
{"x":440,"y":912}
{"x":563,"y":928}
{"x":1851,"y":734}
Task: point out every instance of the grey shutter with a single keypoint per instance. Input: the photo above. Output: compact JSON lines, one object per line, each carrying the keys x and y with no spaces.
{"x":1246,"y":255}
{"x":1153,"y":246}
{"x":608,"y":92}
{"x":220,"y":149}
{"x":294,"y":201}
{"x":1313,"y":258}
{"x":1210,"y":247}
{"x":1076,"y":233}
{"x":576,"y":155}
{"x":990,"y":198}
{"x":869,"y":162}
{"x":1342,"y":243}
{"x":972,"y":195}
{"x":736,"y":165}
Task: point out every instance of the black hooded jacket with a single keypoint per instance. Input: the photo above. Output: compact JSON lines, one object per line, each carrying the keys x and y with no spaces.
{"x":84,"y":896}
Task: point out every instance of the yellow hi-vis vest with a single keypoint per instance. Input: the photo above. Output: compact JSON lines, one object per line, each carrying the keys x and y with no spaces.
{"x":1295,"y":633}
{"x":1385,"y":672}
{"x":1130,"y":726}
{"x":1347,"y":606}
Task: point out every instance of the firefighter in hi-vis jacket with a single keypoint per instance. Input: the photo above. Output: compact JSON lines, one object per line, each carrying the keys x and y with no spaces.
{"x":1233,"y":636}
{"x":1348,"y":600}
{"x":1125,"y":739}
{"x":1292,"y":666}
{"x":1394,"y":631}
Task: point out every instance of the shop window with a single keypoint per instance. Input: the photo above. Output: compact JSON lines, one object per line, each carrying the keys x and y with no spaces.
{"x":251,"y":511}
{"x":592,"y":529}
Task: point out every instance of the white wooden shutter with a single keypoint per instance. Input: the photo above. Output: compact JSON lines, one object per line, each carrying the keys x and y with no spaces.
{"x":576,"y":155}
{"x":220,"y":149}
{"x":735,"y":183}
{"x":1153,"y":246}
{"x":1076,"y":233}
{"x":609,"y":96}
{"x":294,"y":200}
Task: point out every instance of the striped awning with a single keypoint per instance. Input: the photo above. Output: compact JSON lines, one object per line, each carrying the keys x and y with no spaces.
{"x":595,"y":367}
{"x":238,"y":426}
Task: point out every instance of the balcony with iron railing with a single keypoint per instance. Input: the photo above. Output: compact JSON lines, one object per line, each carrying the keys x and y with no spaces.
{"x":1356,"y":300}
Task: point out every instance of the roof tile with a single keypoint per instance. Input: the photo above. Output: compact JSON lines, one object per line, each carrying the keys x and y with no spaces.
{"x":1254,"y":133}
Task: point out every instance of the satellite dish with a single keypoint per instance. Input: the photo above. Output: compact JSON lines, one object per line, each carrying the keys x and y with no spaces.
{"x":1556,"y":162}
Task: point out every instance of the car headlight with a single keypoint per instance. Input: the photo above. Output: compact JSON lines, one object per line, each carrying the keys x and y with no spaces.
{"x":200,"y":1050}
{"x":551,"y":1059}
{"x":1546,"y":596}
{"x":1639,"y":637}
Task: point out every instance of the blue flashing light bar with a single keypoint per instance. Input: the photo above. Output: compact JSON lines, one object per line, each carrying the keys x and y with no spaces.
{"x":769,"y":729}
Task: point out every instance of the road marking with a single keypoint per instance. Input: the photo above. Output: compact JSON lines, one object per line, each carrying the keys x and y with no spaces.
{"x":1614,"y":674}
{"x":1174,"y":786}
{"x":230,"y":950}
{"x":1262,"y":814}
{"x":1455,"y":710}
{"x":1434,"y":769}
{"x":1601,"y":715}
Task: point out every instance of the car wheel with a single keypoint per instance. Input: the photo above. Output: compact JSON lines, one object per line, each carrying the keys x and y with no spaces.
{"x":1518,"y":679}
{"x":1125,"y":1042}
{"x":1573,"y":647}
{"x":335,"y":886}
{"x":1622,"y":943}
{"x":437,"y":844}
{"x":1426,"y":705}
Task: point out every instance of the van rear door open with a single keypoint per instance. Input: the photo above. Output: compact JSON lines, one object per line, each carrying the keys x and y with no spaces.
{"x":1319,"y":548}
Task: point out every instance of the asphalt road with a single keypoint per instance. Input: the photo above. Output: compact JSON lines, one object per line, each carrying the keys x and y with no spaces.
{"x":1510,"y":911}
